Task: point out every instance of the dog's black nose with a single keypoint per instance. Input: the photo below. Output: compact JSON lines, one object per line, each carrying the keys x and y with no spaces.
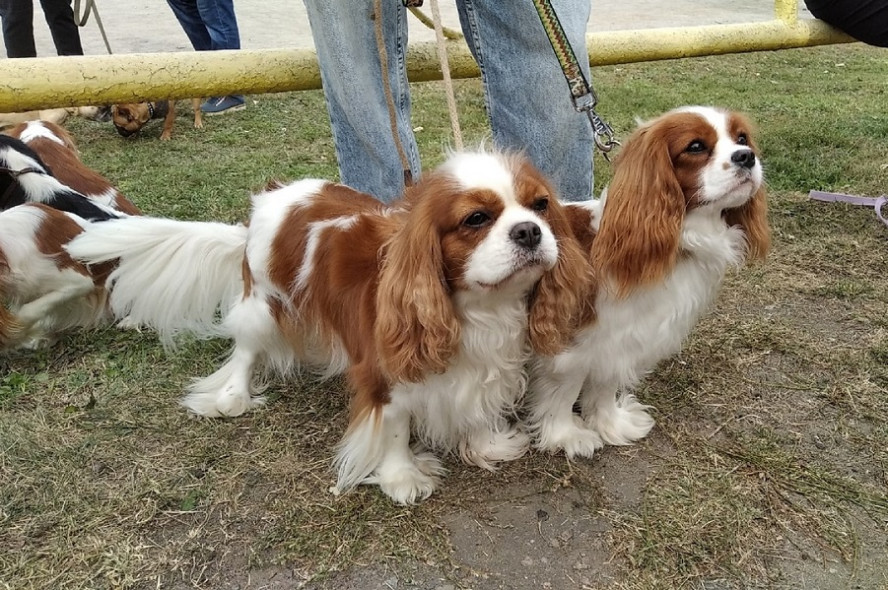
{"x":744,"y":158}
{"x":526,"y":234}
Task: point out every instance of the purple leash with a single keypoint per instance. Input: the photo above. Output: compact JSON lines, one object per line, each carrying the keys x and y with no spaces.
{"x":875,"y":202}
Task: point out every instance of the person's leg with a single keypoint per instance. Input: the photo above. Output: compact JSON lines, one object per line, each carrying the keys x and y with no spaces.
{"x":18,"y":27}
{"x":528,"y":98}
{"x":189,"y":18}
{"x":221,"y":23}
{"x":65,"y":34}
{"x":345,"y":40}
{"x":865,"y":20}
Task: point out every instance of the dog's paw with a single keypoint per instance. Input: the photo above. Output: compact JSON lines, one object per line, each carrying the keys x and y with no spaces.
{"x":408,"y":483}
{"x":626,"y":423}
{"x":574,"y":438}
{"x":227,"y":402}
{"x":487,"y":448}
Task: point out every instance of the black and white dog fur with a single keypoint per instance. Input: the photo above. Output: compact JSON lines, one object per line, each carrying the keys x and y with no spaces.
{"x":42,"y":289}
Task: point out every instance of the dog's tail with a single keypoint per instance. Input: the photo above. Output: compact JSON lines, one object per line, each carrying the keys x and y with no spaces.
{"x":172,"y":276}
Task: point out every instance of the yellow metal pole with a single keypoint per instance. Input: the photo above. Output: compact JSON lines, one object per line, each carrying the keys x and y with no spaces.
{"x":786,"y":11}
{"x":668,"y":43}
{"x":29,"y":84}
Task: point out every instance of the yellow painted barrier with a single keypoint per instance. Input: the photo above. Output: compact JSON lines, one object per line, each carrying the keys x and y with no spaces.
{"x":786,"y":11}
{"x":29,"y":84}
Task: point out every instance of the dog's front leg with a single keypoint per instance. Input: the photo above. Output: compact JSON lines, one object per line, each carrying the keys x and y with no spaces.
{"x":198,"y":114}
{"x":168,"y":122}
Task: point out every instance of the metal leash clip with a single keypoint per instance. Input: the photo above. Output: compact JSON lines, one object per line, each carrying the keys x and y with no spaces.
{"x":602,"y":132}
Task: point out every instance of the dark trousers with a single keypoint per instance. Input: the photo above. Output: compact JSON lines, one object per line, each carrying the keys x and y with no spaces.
{"x":18,"y":27}
{"x":865,"y":20}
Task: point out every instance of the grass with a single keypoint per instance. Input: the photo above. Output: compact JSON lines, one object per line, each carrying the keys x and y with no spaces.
{"x":767,"y":467}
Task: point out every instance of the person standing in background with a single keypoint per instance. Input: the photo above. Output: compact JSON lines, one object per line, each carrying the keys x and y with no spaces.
{"x":527,"y":98}
{"x":210,"y":25}
{"x":18,"y":27}
{"x":865,"y":20}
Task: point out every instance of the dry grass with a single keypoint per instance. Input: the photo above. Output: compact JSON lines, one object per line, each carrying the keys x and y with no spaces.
{"x":767,"y":467}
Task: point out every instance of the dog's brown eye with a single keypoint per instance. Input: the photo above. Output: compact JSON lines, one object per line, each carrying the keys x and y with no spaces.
{"x":476,"y":219}
{"x":696,"y":147}
{"x":541,"y":204}
{"x":742,"y":139}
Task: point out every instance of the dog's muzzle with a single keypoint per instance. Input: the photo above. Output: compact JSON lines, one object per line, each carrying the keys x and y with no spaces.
{"x":123,"y":131}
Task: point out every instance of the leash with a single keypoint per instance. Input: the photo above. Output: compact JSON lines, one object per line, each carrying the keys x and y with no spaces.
{"x":445,"y":71}
{"x":387,"y":89}
{"x":81,"y":21}
{"x":581,"y":92}
{"x":413,"y":7}
{"x":15,"y":174}
{"x":876,"y":203}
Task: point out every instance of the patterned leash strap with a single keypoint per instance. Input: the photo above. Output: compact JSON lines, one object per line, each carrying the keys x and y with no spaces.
{"x":877,"y":203}
{"x":581,"y":92}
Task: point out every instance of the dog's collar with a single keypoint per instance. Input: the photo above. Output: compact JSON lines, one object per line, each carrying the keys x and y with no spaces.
{"x":15,"y":174}
{"x":150,"y":110}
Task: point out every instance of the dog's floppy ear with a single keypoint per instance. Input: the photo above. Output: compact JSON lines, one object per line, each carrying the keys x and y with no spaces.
{"x":416,"y":329}
{"x":752,"y":217}
{"x":639,"y":236}
{"x":564,"y":294}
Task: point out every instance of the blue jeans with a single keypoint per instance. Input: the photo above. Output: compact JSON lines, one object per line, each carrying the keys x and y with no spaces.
{"x":209,"y":24}
{"x":527,"y":97}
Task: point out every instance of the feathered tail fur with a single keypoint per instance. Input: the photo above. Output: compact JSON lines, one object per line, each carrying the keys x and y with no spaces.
{"x":172,"y":276}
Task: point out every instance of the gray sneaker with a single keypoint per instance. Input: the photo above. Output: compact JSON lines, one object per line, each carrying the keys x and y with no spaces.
{"x":216,"y":105}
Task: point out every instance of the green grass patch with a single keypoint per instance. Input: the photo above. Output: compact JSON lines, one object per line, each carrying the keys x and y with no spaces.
{"x":768,"y":462}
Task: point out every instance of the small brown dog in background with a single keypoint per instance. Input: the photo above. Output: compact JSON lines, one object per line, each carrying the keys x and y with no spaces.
{"x":129,"y":118}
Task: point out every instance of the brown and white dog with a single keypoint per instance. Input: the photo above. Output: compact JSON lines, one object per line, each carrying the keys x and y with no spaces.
{"x":129,"y":118}
{"x":687,"y":201}
{"x":432,"y":306}
{"x":42,"y":289}
{"x":59,"y":153}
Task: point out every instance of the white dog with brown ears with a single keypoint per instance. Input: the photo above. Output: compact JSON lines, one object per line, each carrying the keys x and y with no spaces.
{"x":686,"y":202}
{"x":431,"y":306}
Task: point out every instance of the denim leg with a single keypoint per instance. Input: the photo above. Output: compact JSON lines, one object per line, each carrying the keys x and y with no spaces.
{"x":527,"y":96}
{"x":221,"y":23}
{"x":65,"y":33}
{"x":345,"y":41}
{"x":18,"y":28}
{"x":189,"y":18}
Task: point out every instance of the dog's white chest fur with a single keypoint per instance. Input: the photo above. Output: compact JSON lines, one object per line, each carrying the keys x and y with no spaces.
{"x":485,"y":378}
{"x":632,"y":334}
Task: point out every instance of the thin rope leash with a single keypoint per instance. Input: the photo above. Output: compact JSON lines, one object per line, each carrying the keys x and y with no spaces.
{"x":387,"y":89}
{"x":81,"y":21}
{"x":445,"y":71}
